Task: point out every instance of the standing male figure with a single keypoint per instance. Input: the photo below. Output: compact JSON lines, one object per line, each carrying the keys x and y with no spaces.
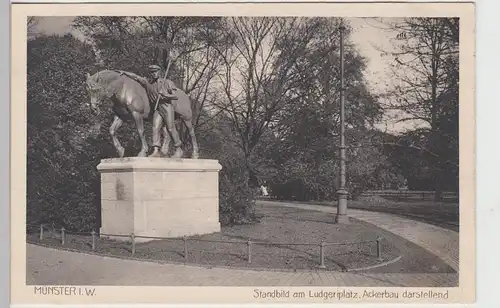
{"x":164,"y":89}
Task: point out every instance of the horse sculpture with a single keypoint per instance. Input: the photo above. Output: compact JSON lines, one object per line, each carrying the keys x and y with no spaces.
{"x":130,"y":101}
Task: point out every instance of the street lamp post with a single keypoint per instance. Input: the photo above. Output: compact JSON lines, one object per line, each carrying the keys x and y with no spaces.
{"x":342,"y":192}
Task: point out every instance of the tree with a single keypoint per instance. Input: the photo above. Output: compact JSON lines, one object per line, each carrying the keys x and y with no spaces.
{"x":426,"y":65}
{"x":263,"y":70}
{"x":307,"y":133}
{"x":61,"y":153}
{"x":32,"y":23}
{"x":132,"y":43}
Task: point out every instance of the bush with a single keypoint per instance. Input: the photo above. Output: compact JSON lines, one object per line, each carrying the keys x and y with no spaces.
{"x":60,"y":162}
{"x":236,"y":198}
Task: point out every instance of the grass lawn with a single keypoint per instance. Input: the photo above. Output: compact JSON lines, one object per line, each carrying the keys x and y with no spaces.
{"x":278,"y":227}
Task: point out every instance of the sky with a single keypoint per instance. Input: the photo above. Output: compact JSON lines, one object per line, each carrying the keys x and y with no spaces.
{"x":368,"y":35}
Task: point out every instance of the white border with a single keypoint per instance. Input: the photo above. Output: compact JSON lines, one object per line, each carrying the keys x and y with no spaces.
{"x":488,"y":154}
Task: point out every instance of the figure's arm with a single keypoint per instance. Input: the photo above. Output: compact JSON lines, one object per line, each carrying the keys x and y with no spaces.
{"x":142,"y":80}
{"x":167,"y":90}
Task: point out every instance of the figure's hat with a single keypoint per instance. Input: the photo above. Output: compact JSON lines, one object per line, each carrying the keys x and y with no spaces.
{"x":154,"y":68}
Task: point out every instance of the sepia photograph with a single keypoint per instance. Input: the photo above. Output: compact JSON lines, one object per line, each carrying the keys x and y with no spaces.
{"x":309,"y":158}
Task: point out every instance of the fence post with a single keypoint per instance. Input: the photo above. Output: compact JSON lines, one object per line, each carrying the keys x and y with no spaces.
{"x":185,"y":249}
{"x":132,"y":236}
{"x":62,"y":236}
{"x":93,"y":240}
{"x":249,"y":251}
{"x":41,"y":232}
{"x":379,"y":248}
{"x":322,"y":255}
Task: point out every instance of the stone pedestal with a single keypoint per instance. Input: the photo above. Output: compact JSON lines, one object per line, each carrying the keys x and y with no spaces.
{"x":160,"y":197}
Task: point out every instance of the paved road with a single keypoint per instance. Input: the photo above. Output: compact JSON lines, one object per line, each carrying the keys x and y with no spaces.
{"x":52,"y":266}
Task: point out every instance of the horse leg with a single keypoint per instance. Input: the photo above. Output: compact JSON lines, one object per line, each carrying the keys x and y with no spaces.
{"x":190,"y":128}
{"x":117,"y":122}
{"x":139,"y":122}
{"x":166,"y":141}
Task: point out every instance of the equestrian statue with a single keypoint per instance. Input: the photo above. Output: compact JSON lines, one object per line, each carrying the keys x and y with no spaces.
{"x":134,"y":96}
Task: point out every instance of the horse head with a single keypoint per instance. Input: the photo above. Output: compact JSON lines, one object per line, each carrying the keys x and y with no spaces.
{"x":96,"y":92}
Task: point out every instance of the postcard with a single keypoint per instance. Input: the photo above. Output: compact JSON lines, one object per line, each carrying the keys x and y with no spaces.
{"x":262,"y":153}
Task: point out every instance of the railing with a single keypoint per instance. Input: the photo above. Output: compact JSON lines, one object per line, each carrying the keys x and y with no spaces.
{"x":401,"y":195}
{"x":249,"y":244}
{"x":411,"y":194}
